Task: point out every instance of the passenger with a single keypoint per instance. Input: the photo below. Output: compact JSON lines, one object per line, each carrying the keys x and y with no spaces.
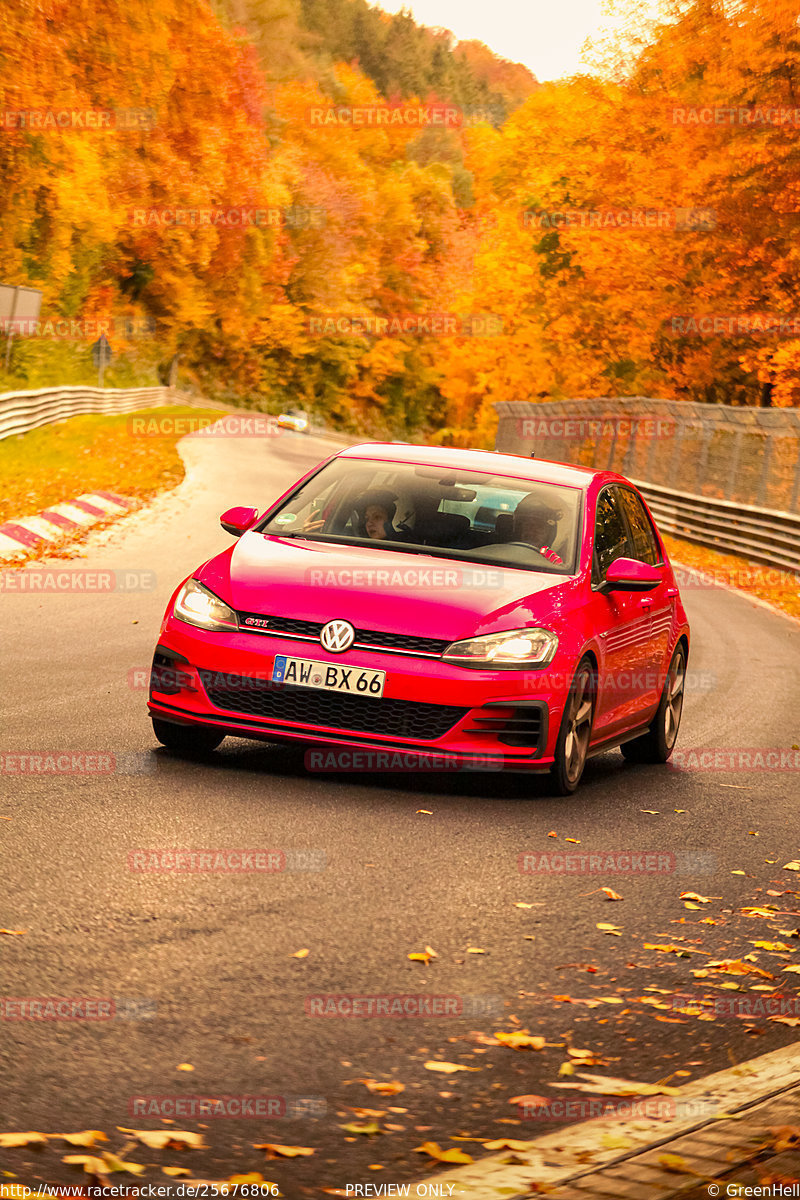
{"x":536,"y":523}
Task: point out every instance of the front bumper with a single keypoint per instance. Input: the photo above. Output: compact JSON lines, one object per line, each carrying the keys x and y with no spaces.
{"x":473,"y":718}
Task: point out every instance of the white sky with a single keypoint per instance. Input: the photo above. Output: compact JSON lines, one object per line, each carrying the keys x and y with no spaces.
{"x":545,"y":35}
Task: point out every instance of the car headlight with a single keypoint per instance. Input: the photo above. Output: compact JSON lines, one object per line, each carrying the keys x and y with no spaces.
{"x":198,"y":606}
{"x":514,"y":648}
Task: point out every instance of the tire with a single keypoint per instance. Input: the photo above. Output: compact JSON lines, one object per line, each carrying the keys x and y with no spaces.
{"x":186,"y":739}
{"x":575,"y":732}
{"x":657,"y":744}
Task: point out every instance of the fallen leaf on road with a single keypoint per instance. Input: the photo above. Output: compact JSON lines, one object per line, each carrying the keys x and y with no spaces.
{"x":158,"y":1139}
{"x":794,"y":865}
{"x":176,"y":1171}
{"x":22,"y":1139}
{"x":552,"y":833}
{"x":475,"y":950}
{"x":14,"y":932}
{"x":775,"y":946}
{"x":651,"y":812}
{"x":430,"y":950}
{"x":611,"y":894}
{"x":566,"y":1068}
{"x":274,"y":1150}
{"x":530,"y":1101}
{"x":299,"y":954}
{"x":615,"y":1141}
{"x":522,"y":904}
{"x":506,"y":1144}
{"x":735,"y":966}
{"x":606,"y":928}
{"x":184,"y":1067}
{"x":449,"y":1156}
{"x":425,"y":812}
{"x":608,"y":1085}
{"x":575,"y":841}
{"x":521,"y":1040}
{"x":382,"y":1089}
{"x":447,"y":1068}
{"x":792,"y":970}
{"x":371,"y":1127}
{"x":105,"y":1164}
{"x":682,"y":951}
{"x":87,"y":1138}
{"x":672,"y":1162}
{"x":755,"y":911}
{"x":793,"y":1021}
{"x":695,"y":896}
{"x":91,"y":1165}
{"x":420,"y":956}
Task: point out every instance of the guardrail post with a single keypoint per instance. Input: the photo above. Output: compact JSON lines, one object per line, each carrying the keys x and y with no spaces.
{"x":765,"y":462}
{"x":794,"y":503}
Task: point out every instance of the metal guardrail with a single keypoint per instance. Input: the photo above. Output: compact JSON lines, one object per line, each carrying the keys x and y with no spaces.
{"x":20,"y":412}
{"x":674,"y":451}
{"x":755,"y":533}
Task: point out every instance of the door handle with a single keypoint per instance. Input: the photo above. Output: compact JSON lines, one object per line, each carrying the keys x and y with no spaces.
{"x":646,"y":603}
{"x":672,"y":592}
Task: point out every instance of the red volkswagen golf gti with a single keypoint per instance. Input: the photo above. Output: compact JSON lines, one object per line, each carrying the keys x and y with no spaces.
{"x":480,"y":609}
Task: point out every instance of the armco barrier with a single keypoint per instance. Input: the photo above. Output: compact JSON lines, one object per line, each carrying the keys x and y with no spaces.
{"x":22,"y":411}
{"x":717,"y":475}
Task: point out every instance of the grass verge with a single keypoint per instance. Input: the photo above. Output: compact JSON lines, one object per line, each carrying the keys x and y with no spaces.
{"x":777,"y":587}
{"x":86,"y":454}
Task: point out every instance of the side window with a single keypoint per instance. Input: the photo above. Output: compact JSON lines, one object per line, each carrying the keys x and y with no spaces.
{"x":610,"y":534}
{"x":644,"y":546}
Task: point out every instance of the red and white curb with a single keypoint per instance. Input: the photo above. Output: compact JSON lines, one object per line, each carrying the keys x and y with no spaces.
{"x":55,"y":523}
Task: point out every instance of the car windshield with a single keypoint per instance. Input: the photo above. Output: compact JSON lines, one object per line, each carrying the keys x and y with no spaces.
{"x":497,"y":519}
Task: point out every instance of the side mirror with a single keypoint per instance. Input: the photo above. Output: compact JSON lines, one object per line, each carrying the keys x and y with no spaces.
{"x":630,"y":575}
{"x":238,"y":520}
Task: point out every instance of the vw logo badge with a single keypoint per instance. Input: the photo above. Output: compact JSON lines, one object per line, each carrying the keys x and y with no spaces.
{"x":337,"y":636}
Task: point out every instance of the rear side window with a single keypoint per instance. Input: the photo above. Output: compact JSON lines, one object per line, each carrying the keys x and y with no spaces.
{"x":644,"y":546}
{"x":610,"y":534}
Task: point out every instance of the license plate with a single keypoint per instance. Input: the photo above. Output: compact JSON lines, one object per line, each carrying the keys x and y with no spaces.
{"x":331,"y":677}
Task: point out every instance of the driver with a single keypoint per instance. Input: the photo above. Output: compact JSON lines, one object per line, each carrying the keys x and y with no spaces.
{"x":376,"y":511}
{"x":536,"y":523}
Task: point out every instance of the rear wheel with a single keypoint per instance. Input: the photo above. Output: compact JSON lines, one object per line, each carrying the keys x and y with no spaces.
{"x":657,"y":744}
{"x":576,"y":730}
{"x":186,"y":739}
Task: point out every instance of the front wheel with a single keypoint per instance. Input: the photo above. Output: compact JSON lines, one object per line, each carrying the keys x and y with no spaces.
{"x":186,"y":739}
{"x":657,"y":744}
{"x":575,"y":733}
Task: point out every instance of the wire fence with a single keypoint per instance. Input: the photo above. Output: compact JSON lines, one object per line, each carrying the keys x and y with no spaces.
{"x":743,"y":455}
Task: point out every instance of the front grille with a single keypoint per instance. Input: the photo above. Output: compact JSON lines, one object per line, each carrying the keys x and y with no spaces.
{"x":307,"y":706}
{"x":513,"y":725}
{"x":292,"y":627}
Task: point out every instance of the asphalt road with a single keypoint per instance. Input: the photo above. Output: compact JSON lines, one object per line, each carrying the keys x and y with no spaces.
{"x":208,"y":957}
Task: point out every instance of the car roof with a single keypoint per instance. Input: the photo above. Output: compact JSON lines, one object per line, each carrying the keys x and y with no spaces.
{"x":486,"y":462}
